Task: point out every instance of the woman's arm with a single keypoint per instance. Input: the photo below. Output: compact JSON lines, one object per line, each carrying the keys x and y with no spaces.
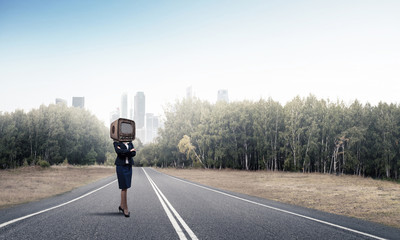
{"x":132,"y":150}
{"x":121,"y":151}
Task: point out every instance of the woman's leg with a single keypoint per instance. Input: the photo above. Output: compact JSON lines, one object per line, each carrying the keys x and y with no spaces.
{"x":124,"y":202}
{"x":123,"y":198}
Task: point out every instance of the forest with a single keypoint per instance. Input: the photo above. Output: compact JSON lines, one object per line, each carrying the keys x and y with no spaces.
{"x":54,"y":134}
{"x":304,"y":135}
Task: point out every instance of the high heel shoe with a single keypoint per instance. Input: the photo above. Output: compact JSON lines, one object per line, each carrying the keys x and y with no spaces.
{"x":127,"y":215}
{"x":120,"y":209}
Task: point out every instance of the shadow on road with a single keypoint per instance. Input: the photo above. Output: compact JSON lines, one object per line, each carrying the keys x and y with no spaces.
{"x":108,"y":214}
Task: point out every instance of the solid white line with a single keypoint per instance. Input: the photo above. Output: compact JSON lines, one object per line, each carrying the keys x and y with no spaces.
{"x":280,"y":210}
{"x":48,"y":209}
{"x":171,"y":218}
{"x":180,"y":219}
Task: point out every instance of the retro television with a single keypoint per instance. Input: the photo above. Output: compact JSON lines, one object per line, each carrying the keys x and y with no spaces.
{"x":123,"y":130}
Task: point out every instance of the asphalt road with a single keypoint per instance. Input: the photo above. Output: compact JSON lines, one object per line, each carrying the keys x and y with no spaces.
{"x":164,"y":207}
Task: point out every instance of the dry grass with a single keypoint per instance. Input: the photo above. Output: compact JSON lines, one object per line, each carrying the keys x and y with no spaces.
{"x":33,"y":183}
{"x":364,"y":198}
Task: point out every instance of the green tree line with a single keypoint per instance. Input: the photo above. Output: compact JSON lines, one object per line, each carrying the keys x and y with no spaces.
{"x":54,"y":133}
{"x":306,"y":134}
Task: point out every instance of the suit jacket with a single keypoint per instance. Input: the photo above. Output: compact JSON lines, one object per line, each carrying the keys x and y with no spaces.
{"x":123,"y":153}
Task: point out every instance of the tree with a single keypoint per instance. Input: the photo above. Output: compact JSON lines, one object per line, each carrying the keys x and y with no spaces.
{"x":306,"y":135}
{"x":52,"y":133}
{"x":187,"y":148}
{"x":293,"y":132}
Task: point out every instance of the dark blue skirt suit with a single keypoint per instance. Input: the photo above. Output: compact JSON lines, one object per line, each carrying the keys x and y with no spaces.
{"x":124,"y":162}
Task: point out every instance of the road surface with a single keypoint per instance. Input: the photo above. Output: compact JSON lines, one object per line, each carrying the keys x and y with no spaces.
{"x":164,"y":207}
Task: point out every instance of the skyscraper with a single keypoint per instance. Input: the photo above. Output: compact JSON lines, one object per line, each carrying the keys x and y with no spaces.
{"x":61,"y":101}
{"x":139,"y":114}
{"x":131,"y":109}
{"x":189,"y":92}
{"x":223,"y":95}
{"x":151,"y":127}
{"x":124,"y":105}
{"x":78,"y":102}
{"x":114,"y":115}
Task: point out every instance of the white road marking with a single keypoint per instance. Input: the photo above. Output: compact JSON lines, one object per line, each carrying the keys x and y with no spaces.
{"x":48,"y":209}
{"x":281,"y":210}
{"x":164,"y":202}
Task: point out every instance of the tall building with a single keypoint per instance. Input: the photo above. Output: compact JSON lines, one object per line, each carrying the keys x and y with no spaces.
{"x":151,"y":127}
{"x":78,"y":102}
{"x":189,"y":92}
{"x":114,"y":115}
{"x":131,"y":109}
{"x":156,"y":125}
{"x":61,"y":101}
{"x":139,"y":109}
{"x":139,"y":114}
{"x":124,"y":105}
{"x":223,"y":95}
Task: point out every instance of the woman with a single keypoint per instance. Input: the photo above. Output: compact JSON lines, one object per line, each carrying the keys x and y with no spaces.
{"x":124,"y":161}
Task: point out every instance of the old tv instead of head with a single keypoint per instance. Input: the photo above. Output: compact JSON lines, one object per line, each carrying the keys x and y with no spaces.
{"x":123,"y":130}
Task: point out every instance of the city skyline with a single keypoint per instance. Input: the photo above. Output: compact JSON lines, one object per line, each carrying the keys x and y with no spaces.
{"x":146,"y":123}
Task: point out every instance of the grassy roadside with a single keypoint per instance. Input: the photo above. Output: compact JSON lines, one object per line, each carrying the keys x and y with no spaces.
{"x":28,"y":184}
{"x":364,"y":198}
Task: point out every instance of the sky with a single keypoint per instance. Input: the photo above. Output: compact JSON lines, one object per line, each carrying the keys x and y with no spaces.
{"x":255,"y":49}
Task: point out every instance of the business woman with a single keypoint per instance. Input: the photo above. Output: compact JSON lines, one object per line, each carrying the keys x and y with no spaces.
{"x":124,"y":161}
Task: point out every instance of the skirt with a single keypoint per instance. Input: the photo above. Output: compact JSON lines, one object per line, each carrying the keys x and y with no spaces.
{"x":124,"y":175}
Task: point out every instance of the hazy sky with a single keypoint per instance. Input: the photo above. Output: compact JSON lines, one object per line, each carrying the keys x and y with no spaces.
{"x":342,"y":50}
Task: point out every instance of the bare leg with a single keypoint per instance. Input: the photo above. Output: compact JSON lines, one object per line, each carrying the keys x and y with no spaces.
{"x":124,"y":203}
{"x":123,"y":194}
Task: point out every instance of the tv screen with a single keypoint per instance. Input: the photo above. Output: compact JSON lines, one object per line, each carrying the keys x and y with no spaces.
{"x":126,"y":128}
{"x":122,"y":130}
